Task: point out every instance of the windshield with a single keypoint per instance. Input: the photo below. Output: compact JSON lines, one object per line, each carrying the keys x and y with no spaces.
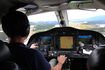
{"x":90,"y":20}
{"x":42,"y":22}
{"x":80,"y":19}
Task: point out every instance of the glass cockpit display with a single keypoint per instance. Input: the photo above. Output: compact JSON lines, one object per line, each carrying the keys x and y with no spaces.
{"x":64,"y":42}
{"x":45,"y":40}
{"x":85,"y":39}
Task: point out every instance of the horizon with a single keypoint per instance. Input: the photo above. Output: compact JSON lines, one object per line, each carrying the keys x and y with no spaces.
{"x":68,"y":20}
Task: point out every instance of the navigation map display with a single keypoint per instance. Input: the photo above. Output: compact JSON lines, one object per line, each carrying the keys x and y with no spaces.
{"x":85,"y":39}
{"x":45,"y":40}
{"x":64,"y":42}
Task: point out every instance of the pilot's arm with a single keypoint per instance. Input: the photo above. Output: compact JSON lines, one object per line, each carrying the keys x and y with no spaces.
{"x":61,"y":59}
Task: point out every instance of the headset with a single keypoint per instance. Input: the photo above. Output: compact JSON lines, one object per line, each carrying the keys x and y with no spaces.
{"x":25,"y":30}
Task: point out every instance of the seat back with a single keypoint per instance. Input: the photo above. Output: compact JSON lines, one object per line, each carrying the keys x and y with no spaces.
{"x":4,"y":56}
{"x":96,"y":60}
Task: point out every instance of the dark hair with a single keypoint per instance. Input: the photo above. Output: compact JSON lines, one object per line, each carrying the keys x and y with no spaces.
{"x":15,"y":23}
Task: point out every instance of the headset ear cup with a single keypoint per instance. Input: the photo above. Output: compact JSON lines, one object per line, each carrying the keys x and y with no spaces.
{"x":25,"y":31}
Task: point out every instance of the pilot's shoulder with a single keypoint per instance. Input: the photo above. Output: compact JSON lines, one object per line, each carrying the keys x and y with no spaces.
{"x":35,"y":51}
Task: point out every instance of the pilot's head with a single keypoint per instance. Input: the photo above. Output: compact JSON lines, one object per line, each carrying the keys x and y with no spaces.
{"x":15,"y":23}
{"x":96,"y":60}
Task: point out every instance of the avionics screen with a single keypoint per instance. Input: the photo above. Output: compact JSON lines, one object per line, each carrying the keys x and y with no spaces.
{"x":45,"y":40}
{"x":85,"y":39}
{"x":64,"y":42}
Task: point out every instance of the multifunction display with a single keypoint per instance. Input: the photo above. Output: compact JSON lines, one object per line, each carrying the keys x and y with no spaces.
{"x":64,"y":42}
{"x":45,"y":40}
{"x":85,"y":39}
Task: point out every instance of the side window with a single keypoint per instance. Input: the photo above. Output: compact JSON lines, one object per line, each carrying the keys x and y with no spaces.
{"x":3,"y":36}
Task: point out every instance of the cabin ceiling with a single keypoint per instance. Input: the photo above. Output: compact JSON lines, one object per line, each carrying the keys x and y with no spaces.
{"x":38,"y":6}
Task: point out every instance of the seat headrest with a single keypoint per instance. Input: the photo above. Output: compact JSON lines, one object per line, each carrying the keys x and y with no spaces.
{"x":4,"y":51}
{"x":96,"y":60}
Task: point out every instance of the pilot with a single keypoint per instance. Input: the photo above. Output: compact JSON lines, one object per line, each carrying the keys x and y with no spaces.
{"x":16,"y":26}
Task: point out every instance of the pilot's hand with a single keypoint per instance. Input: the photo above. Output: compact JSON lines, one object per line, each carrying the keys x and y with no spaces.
{"x":33,"y":46}
{"x":61,"y":59}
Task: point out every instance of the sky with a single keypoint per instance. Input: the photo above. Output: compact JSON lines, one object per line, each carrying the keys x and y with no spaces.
{"x":72,"y":14}
{"x":49,"y":16}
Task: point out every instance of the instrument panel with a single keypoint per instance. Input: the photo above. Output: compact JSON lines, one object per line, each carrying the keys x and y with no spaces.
{"x":74,"y":43}
{"x":66,"y":40}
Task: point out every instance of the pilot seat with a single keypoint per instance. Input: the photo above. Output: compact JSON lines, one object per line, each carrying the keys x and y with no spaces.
{"x":96,"y":60}
{"x":5,"y":64}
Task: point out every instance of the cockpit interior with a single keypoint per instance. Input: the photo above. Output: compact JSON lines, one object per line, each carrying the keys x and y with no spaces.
{"x":75,"y":43}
